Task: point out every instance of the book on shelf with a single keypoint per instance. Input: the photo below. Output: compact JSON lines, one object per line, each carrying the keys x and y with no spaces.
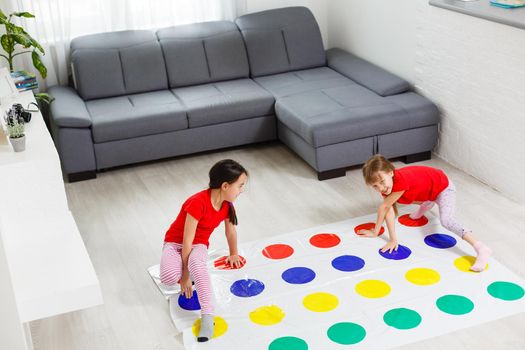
{"x":508,"y":4}
{"x":24,"y":80}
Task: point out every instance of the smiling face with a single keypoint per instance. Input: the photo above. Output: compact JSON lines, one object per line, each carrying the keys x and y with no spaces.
{"x":231,"y":191}
{"x":383,"y":183}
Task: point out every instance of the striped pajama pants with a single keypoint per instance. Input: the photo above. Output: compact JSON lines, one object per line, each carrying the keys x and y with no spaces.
{"x":171,"y":271}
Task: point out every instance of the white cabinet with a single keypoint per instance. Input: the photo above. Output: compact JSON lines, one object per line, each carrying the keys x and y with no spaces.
{"x":50,"y":271}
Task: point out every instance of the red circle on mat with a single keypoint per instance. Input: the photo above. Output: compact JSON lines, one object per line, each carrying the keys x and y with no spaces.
{"x":407,"y":221}
{"x":220,"y":263}
{"x":367,"y":226}
{"x":325,"y":240}
{"x":277,"y":251}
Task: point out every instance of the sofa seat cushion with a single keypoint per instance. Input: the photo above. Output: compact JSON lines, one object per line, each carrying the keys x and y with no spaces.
{"x":225,"y":101}
{"x":291,"y":83}
{"x":137,"y":115}
{"x":333,"y":115}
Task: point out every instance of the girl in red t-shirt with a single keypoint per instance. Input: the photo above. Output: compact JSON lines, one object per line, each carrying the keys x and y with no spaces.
{"x":185,"y":251}
{"x":420,"y":185}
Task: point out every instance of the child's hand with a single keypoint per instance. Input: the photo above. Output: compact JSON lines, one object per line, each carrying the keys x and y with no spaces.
{"x":185,"y":286}
{"x":367,"y":233}
{"x":390,"y":246}
{"x":234,"y":261}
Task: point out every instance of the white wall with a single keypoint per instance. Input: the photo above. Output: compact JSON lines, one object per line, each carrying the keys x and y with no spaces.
{"x":473,"y":69}
{"x":380,"y":31}
{"x":318,"y":8}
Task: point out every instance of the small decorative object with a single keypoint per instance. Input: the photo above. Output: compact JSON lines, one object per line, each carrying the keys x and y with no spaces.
{"x":15,"y":131}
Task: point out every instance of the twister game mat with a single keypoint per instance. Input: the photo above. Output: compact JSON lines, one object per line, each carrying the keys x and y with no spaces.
{"x":328,"y":288}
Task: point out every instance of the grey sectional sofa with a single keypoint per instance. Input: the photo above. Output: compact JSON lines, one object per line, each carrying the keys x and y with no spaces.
{"x":142,"y":95}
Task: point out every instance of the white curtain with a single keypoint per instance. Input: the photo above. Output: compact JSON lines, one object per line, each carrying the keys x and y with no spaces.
{"x":56,"y":22}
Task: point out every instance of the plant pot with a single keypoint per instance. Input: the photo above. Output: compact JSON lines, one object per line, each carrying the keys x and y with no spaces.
{"x":19,"y":143}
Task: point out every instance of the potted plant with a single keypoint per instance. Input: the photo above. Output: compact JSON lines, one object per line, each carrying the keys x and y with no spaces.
{"x":16,"y":36}
{"x":15,"y":131}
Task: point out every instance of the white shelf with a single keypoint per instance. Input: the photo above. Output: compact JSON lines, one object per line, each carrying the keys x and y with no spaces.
{"x":50,"y":270}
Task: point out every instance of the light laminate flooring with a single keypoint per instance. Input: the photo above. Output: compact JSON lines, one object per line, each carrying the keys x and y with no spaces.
{"x":124,"y":213}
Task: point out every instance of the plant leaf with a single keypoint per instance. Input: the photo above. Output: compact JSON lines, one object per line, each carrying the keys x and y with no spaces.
{"x":19,"y":35}
{"x":2,"y":15}
{"x":37,"y":62}
{"x":7,"y":43}
{"x":33,"y":42}
{"x":23,"y":14}
{"x":44,"y":97}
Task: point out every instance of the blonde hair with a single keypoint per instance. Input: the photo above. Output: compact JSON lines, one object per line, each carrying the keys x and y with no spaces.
{"x":372,"y":168}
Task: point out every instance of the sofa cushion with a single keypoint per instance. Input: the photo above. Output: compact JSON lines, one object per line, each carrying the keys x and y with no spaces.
{"x":333,"y":115}
{"x":365,"y":73}
{"x":117,"y":63}
{"x":131,"y":116}
{"x":290,"y":83}
{"x":282,"y":40}
{"x":224,"y":102}
{"x":203,"y":53}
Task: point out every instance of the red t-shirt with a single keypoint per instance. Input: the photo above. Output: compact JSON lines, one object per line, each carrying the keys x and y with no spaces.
{"x":199,"y":206}
{"x":420,"y":183}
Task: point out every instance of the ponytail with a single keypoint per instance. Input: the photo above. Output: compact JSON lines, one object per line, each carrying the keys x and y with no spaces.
{"x":232,"y":214}
{"x":226,"y":170}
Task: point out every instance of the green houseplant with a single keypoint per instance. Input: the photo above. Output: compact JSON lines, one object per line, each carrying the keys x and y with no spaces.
{"x":15,"y":131}
{"x":16,"y":35}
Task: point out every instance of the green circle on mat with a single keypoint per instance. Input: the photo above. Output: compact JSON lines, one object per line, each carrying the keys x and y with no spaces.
{"x":346,"y":333}
{"x":288,"y":343}
{"x":455,"y":304}
{"x":505,"y":291}
{"x":402,"y":318}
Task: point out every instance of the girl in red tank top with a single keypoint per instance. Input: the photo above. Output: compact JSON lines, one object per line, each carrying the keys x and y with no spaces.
{"x":185,"y":251}
{"x":420,"y":185}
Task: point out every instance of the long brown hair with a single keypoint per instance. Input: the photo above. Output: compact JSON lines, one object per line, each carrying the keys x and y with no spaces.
{"x":372,"y":168}
{"x":226,"y":170}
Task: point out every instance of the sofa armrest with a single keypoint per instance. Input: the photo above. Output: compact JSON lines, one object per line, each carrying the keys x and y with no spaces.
{"x":365,"y":73}
{"x":68,"y":109}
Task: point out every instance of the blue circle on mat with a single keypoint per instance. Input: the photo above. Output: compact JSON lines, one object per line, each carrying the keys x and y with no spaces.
{"x":440,"y":240}
{"x":348,"y":263}
{"x":247,"y":288}
{"x":401,"y":253}
{"x":298,"y":275}
{"x":191,"y":303}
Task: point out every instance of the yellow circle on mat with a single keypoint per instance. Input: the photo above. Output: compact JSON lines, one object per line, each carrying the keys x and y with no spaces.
{"x":372,"y":288}
{"x":320,"y":302}
{"x":422,"y":276}
{"x":219,"y":329}
{"x":267,"y":315}
{"x":464,"y":263}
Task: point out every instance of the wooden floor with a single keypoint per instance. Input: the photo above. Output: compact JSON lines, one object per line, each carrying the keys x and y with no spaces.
{"x":123,"y":214}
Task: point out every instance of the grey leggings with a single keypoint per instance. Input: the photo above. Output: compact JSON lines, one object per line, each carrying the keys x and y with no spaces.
{"x":446,"y":202}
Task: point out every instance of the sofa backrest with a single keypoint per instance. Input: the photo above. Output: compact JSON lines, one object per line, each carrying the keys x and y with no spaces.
{"x":203,"y":53}
{"x":117,"y":63}
{"x":282,"y":40}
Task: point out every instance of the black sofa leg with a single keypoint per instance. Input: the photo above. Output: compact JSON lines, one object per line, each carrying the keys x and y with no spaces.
{"x":330,"y":174}
{"x":81,"y":176}
{"x":416,"y":157}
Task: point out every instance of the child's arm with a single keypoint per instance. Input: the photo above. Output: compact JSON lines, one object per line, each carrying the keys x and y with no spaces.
{"x":231,"y":235}
{"x":382,"y":211}
{"x":391,"y":226}
{"x":190,"y":226}
{"x":384,"y":208}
